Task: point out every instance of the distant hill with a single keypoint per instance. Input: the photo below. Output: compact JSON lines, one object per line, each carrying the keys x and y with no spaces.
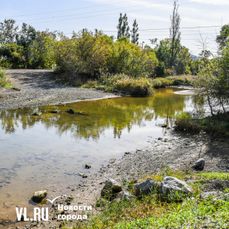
{"x":193,"y":57}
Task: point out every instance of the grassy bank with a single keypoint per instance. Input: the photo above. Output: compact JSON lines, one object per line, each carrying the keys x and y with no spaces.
{"x":217,"y":125}
{"x":152,"y":212}
{"x":123,"y":84}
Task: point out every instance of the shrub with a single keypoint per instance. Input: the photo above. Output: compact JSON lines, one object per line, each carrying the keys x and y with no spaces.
{"x":3,"y":79}
{"x":184,"y":122}
{"x":136,"y":87}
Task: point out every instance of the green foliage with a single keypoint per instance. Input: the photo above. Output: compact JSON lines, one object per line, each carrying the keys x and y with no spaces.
{"x":122,"y":83}
{"x":123,"y":28}
{"x":41,"y":51}
{"x":222,"y":39}
{"x":185,"y":123}
{"x":3,"y":78}
{"x":213,"y":82}
{"x":129,"y":59}
{"x":86,"y":53}
{"x":12,"y":55}
{"x":172,"y":80}
{"x":152,"y":212}
{"x":8,"y":31}
{"x":135,"y":34}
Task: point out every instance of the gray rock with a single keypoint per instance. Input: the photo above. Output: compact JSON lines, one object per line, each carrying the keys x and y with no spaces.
{"x":87,"y":166}
{"x":111,"y":188}
{"x":145,"y":187}
{"x":83,"y":175}
{"x":124,"y":195}
{"x":199,"y":164}
{"x":39,"y":196}
{"x":206,"y":195}
{"x":224,"y":197}
{"x":174,"y":188}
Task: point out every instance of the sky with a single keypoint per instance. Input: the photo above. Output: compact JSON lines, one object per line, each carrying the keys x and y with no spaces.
{"x":201,"y":20}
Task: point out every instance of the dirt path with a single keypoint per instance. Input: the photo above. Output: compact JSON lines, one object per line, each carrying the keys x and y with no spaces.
{"x":37,"y":89}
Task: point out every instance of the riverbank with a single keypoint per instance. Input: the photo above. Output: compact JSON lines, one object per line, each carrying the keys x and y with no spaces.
{"x":175,"y":151}
{"x":36,"y":88}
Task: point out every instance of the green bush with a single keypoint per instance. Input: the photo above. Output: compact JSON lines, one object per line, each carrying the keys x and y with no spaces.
{"x":184,"y":122}
{"x":136,"y":87}
{"x":3,"y":79}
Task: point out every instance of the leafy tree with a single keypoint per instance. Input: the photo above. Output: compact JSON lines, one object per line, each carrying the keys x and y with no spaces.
{"x":123,"y":28}
{"x":213,"y":82}
{"x":12,"y":55}
{"x":85,"y":54}
{"x":223,"y":38}
{"x":8,"y":31}
{"x":41,"y":51}
{"x":26,"y":35}
{"x":175,"y":35}
{"x":135,"y":34}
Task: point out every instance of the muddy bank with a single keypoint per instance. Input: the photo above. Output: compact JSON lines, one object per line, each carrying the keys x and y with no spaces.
{"x":176,"y":150}
{"x":36,"y":88}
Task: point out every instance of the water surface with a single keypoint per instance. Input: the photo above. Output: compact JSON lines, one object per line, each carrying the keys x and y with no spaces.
{"x":48,"y":151}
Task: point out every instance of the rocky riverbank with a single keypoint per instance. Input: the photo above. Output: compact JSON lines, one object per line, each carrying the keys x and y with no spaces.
{"x":176,"y":151}
{"x":36,"y":88}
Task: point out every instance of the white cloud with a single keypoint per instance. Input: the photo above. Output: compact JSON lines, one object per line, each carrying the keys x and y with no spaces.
{"x":212,"y":2}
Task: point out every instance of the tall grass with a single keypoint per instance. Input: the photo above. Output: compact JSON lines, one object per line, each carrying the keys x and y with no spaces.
{"x":136,"y":87}
{"x":3,"y":78}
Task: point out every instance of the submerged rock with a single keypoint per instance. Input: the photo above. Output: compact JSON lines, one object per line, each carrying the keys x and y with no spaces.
{"x":87,"y":166}
{"x":172,"y":187}
{"x":199,"y":164}
{"x":38,"y":196}
{"x":54,"y":111}
{"x":37,"y":114}
{"x":71,"y":111}
{"x":111,"y":188}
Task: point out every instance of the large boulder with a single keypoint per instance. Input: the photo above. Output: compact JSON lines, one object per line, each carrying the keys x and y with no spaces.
{"x":173,"y":188}
{"x":111,"y":188}
{"x":38,"y":196}
{"x":145,"y":187}
{"x":199,"y":164}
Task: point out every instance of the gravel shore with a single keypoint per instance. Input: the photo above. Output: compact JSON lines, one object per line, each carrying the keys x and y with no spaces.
{"x":36,"y":88}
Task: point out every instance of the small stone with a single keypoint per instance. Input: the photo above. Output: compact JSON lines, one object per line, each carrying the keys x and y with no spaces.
{"x":160,"y":138}
{"x":39,"y":196}
{"x":112,"y":160}
{"x":87,"y":166}
{"x":199,"y":164}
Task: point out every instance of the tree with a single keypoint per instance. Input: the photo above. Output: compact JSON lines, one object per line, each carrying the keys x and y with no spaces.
{"x":41,"y":51}
{"x":123,"y":28}
{"x":26,"y":35}
{"x":213,"y":82}
{"x":8,"y":31}
{"x":135,"y":34}
{"x":223,"y":38}
{"x":175,"y":35}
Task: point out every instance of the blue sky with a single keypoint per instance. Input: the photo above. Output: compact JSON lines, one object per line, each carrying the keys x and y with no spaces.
{"x":153,"y":17}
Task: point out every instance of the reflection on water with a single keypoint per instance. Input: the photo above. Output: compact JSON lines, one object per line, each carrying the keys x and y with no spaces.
{"x":49,"y":150}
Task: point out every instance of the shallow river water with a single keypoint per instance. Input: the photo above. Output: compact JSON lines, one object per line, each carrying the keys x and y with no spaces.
{"x":48,"y":151}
